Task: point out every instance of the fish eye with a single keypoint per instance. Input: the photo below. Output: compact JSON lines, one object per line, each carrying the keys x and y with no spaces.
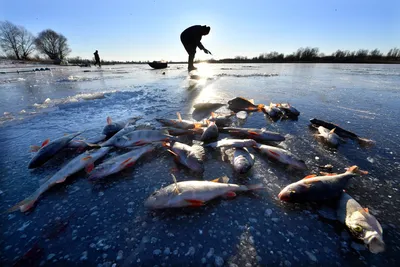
{"x":358,"y":229}
{"x":155,"y":193}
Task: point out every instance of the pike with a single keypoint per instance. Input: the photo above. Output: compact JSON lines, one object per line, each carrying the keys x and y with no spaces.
{"x":253,"y":133}
{"x":232,"y":143}
{"x":282,"y":156}
{"x":119,"y":163}
{"x":189,"y":156}
{"x":84,"y":160}
{"x":49,"y":149}
{"x":342,"y":132}
{"x":194,"y":193}
{"x":319,"y":188}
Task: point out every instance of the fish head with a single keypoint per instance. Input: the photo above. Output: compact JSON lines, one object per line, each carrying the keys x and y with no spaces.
{"x":121,"y":141}
{"x":162,"y":198}
{"x":241,"y":164}
{"x":294,"y":192}
{"x":366,"y":228}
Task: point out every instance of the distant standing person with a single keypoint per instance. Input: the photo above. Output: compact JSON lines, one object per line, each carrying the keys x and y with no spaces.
{"x":97,"y":58}
{"x":191,"y":38}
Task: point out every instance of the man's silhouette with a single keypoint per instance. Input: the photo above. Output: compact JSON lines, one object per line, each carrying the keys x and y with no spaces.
{"x":96,"y":58}
{"x":191,"y":38}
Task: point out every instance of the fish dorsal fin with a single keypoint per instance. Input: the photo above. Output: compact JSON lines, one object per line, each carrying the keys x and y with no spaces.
{"x":109,"y":120}
{"x":176,"y":184}
{"x":179,"y":116}
{"x":271,"y":105}
{"x":251,"y":101}
{"x":223,"y":179}
{"x":45,"y":142}
{"x":332,"y":131}
{"x":366,"y":210}
{"x":310,"y":176}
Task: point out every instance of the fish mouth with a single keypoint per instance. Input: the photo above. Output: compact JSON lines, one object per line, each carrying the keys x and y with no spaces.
{"x":284,"y":197}
{"x":375,"y":244}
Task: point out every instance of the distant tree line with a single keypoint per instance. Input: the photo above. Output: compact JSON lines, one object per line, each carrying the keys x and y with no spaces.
{"x":311,"y":54}
{"x":18,"y":43}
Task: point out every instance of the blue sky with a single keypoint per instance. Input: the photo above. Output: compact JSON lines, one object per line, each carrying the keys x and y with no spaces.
{"x":150,"y":30}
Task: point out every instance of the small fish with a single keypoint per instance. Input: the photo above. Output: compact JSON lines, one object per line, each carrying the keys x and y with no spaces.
{"x":272,"y":111}
{"x":342,"y":132}
{"x":119,"y":134}
{"x":139,"y":137}
{"x":319,"y":188}
{"x":189,"y":156}
{"x":119,"y":163}
{"x":181,"y":124}
{"x":208,"y":106}
{"x":287,"y":109}
{"x":49,"y":149}
{"x":361,"y":223}
{"x":210,"y":133}
{"x":243,"y":104}
{"x":242,"y":160}
{"x":179,"y":132}
{"x":221,"y":120}
{"x":253,"y":133}
{"x":282,"y":156}
{"x":84,"y":160}
{"x":232,"y":143}
{"x":113,"y":127}
{"x":193,"y":193}
{"x":328,"y":136}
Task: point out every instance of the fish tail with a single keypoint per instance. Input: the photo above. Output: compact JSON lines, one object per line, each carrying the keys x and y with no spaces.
{"x":25,"y":204}
{"x":356,"y":170}
{"x":365,"y":142}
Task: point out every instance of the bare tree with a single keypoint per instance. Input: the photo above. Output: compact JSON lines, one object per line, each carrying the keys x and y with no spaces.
{"x":26,"y":43}
{"x":52,"y":44}
{"x":9,"y":38}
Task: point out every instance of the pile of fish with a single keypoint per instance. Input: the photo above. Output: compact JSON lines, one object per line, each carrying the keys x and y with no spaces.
{"x":239,"y":145}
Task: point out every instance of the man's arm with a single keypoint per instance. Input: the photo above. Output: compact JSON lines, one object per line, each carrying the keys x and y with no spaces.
{"x":200,"y":45}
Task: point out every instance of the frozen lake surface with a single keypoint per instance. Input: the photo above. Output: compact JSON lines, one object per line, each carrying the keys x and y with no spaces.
{"x":80,"y":223}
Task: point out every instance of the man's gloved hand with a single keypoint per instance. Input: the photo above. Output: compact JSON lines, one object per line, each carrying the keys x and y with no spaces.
{"x":206,"y":51}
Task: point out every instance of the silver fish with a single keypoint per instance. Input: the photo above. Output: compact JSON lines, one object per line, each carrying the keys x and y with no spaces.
{"x":78,"y":163}
{"x":253,"y":133}
{"x":319,"y":188}
{"x":242,"y":160}
{"x":190,"y":156}
{"x":282,"y":156}
{"x":139,"y":137}
{"x":361,"y":223}
{"x":84,"y":144}
{"x":113,"y":127}
{"x":193,"y":193}
{"x":120,"y":133}
{"x":328,"y":136}
{"x":49,"y":149}
{"x":180,"y":123}
{"x":210,"y":133}
{"x":233,"y":143}
{"x":119,"y":163}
